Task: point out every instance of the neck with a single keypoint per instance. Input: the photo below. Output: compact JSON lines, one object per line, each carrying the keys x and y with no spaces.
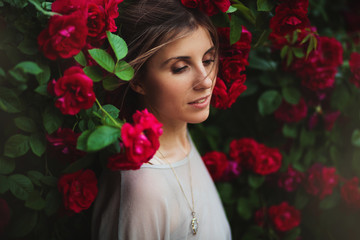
{"x":174,"y":142}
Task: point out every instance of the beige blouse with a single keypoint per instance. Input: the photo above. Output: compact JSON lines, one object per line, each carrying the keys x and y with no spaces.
{"x":148,"y":203}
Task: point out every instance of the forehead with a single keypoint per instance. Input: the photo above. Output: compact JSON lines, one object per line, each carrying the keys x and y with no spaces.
{"x":196,"y":42}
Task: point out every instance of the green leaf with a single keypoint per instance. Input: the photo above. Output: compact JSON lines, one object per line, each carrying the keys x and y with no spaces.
{"x":49,"y":181}
{"x":102,"y":137}
{"x":355,"y":138}
{"x":118,"y":45}
{"x":298,"y":52}
{"x":330,"y":201}
{"x":111,"y":83}
{"x":253,"y":233}
{"x":124,"y":71}
{"x":235,"y":29}
{"x":82,"y":140}
{"x":307,"y":138}
{"x":265,"y":5}
{"x":52,"y":119}
{"x":340,"y":97}
{"x":79,"y":164}
{"x":38,"y":143}
{"x":53,"y":201}
{"x":284,"y":51}
{"x":289,"y":131}
{"x":4,"y":184}
{"x":291,"y":95}
{"x":35,"y":201}
{"x":94,"y":72}
{"x":293,"y":234}
{"x":20,"y":186}
{"x":301,"y":200}
{"x":16,"y":146}
{"x":80,"y":58}
{"x":7,"y":165}
{"x":9,"y":101}
{"x":245,"y":12}
{"x":42,"y":90}
{"x":22,"y":226}
{"x":29,"y":67}
{"x":258,"y":62}
{"x":103,"y":58}
{"x":26,"y":124}
{"x":255,"y":181}
{"x":231,"y":9}
{"x":112,"y":110}
{"x":28,"y":46}
{"x":268,"y":102}
{"x":244,"y":208}
{"x":44,"y":76}
{"x":35,"y":177}
{"x":289,"y":58}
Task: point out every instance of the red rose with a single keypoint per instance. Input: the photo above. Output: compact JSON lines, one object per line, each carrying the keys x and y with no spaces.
{"x":222,"y":97}
{"x":331,"y":53}
{"x":259,"y":217}
{"x":231,"y":68}
{"x":64,"y":37}
{"x":232,"y":171}
{"x":330,"y":118}
{"x":63,"y":145}
{"x":291,"y":112}
{"x":140,"y":142}
{"x":290,"y":179}
{"x":244,"y":151}
{"x":354,"y":63}
{"x":216,"y":163}
{"x":4,"y":215}
{"x":300,"y":4}
{"x":240,"y":49}
{"x":321,"y":180}
{"x":318,"y":78}
{"x":66,"y":7}
{"x":286,"y":20}
{"x":96,"y":20}
{"x":268,"y":160}
{"x":75,"y":90}
{"x":350,"y":192}
{"x":78,"y":189}
{"x":284,"y":217}
{"x":210,"y":7}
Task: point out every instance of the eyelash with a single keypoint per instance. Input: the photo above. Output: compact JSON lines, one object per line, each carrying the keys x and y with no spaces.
{"x":179,"y":70}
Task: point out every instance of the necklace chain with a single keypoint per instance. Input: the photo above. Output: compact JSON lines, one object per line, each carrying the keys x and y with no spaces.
{"x":194,"y":222}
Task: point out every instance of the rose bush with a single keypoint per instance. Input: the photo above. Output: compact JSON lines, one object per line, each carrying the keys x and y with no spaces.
{"x":282,"y":139}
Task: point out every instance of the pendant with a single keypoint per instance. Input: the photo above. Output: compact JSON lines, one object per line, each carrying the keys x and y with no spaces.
{"x":194,"y":224}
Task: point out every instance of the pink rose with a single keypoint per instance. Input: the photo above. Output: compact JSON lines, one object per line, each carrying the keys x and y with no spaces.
{"x":78,"y":189}
{"x":64,"y":37}
{"x":354,"y":63}
{"x":290,"y":179}
{"x":291,"y":112}
{"x":216,"y":163}
{"x":75,"y":91}
{"x":321,"y":180}
{"x":140,"y":142}
{"x":284,"y":217}
{"x":63,"y":145}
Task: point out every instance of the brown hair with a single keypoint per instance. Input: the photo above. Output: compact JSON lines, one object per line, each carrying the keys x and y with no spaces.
{"x":147,"y":26}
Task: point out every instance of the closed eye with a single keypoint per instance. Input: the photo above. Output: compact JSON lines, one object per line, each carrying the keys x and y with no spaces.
{"x":208,"y":62}
{"x":179,"y":70}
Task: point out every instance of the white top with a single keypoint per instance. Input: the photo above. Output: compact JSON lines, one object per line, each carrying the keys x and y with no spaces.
{"x":148,"y":203}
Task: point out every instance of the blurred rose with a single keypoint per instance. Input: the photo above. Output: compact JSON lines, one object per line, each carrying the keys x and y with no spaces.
{"x":223,"y":97}
{"x":140,"y":142}
{"x":291,"y":112}
{"x":259,"y":217}
{"x":63,"y":145}
{"x":64,"y":37}
{"x":300,"y":4}
{"x":232,"y":171}
{"x":210,"y":7}
{"x":321,"y":180}
{"x":216,"y":163}
{"x":244,"y":151}
{"x":231,"y":68}
{"x":78,"y":189}
{"x":284,"y":217}
{"x":354,"y":63}
{"x":286,"y":20}
{"x":350,"y":192}
{"x":290,"y":179}
{"x":240,"y":49}
{"x":268,"y":160}
{"x":75,"y":91}
{"x":4,"y":215}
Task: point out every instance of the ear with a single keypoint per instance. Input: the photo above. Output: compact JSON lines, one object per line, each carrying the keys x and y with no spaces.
{"x":137,"y":87}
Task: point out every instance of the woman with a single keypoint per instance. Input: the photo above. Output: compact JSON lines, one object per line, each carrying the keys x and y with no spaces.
{"x":173,"y":50}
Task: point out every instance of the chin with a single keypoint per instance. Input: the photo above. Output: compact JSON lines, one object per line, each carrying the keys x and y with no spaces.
{"x":199,"y":117}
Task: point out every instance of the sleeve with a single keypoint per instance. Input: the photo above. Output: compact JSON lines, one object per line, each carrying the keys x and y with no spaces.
{"x":144,"y":211}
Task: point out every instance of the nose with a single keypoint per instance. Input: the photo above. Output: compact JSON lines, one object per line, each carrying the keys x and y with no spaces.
{"x":203,"y":79}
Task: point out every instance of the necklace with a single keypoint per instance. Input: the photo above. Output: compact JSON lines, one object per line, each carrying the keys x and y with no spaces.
{"x":194,"y":222}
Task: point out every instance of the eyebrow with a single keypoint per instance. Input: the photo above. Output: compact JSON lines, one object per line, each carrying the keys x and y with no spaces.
{"x":185,"y":57}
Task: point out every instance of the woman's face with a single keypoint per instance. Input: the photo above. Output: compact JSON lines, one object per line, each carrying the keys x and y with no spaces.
{"x":180,"y":78}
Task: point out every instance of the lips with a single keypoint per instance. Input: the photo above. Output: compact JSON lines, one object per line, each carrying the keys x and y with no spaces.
{"x":199,"y":100}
